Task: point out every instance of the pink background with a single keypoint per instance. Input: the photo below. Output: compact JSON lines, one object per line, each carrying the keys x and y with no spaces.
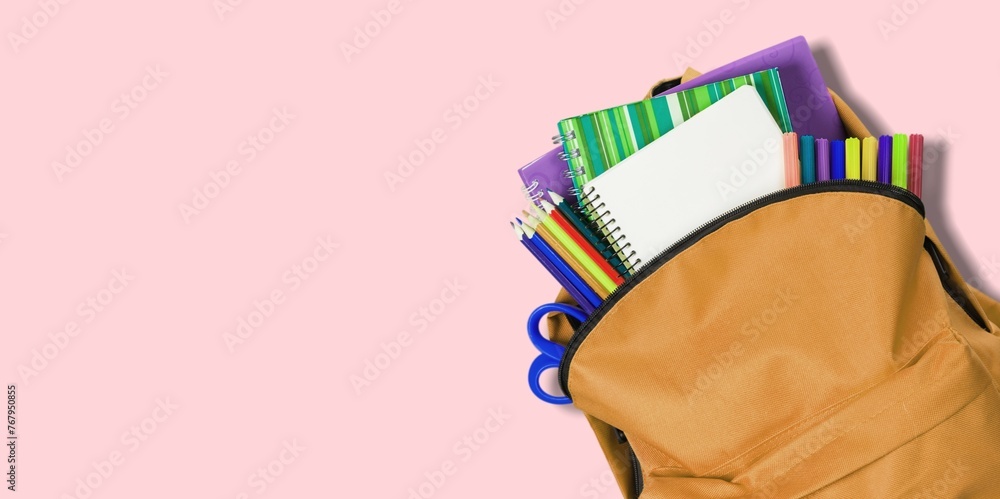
{"x":162,"y":338}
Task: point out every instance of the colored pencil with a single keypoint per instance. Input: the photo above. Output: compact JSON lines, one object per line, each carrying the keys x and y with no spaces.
{"x":822,"y":159}
{"x":900,"y":150}
{"x":574,"y":256}
{"x":838,"y":166}
{"x":582,"y":253}
{"x":885,"y":159}
{"x":852,"y":158}
{"x":916,"y":179}
{"x":584,"y":244}
{"x":807,"y":153}
{"x":560,"y":274}
{"x":588,"y":231}
{"x":869,"y":156}
{"x":792,"y":169}
{"x":587,"y":295}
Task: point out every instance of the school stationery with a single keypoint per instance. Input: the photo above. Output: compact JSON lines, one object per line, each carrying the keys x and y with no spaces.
{"x":582,"y":252}
{"x":822,"y":159}
{"x":809,"y":104}
{"x":838,"y":167}
{"x":588,"y":231}
{"x":807,"y":152}
{"x":726,"y":155}
{"x":900,"y":165}
{"x":790,"y":151}
{"x":550,"y":353}
{"x":590,"y":299}
{"x":916,"y":164}
{"x":869,"y":155}
{"x":567,"y":227}
{"x":852,"y":158}
{"x":558,"y":270}
{"x":570,"y":256}
{"x":546,"y":173}
{"x":885,"y":159}
{"x":595,"y":142}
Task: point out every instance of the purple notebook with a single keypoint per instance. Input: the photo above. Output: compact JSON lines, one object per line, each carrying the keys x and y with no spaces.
{"x":547,"y":173}
{"x":809,"y":105}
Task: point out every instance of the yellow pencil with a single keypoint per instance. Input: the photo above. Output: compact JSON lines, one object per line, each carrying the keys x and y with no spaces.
{"x":869,"y":159}
{"x":852,"y":155}
{"x":588,"y":278}
{"x":578,"y":253}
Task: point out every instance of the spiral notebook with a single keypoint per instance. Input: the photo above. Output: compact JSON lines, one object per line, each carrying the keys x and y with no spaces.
{"x":727,"y":155}
{"x":597,"y":141}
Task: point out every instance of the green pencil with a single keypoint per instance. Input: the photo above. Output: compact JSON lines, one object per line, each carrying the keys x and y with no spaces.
{"x":900,"y":161}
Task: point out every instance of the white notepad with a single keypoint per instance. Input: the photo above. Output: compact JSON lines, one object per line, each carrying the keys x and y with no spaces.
{"x":724,"y":156}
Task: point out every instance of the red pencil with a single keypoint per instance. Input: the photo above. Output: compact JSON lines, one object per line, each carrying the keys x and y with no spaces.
{"x":916,"y":167}
{"x":589,"y":248}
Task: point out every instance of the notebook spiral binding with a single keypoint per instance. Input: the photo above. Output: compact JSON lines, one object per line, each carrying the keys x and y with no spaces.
{"x":559,"y":139}
{"x":590,"y":203}
{"x":531,"y":192}
{"x":566,"y":156}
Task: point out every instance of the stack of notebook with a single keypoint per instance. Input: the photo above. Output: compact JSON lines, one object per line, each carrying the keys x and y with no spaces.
{"x":633,"y":180}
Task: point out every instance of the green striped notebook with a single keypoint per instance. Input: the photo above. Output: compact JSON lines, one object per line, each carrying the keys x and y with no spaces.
{"x":594,"y":142}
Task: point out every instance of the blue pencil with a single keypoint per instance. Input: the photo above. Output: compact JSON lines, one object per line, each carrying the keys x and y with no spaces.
{"x":562,"y":279}
{"x":581,"y":293}
{"x":885,"y":159}
{"x":838,"y":164}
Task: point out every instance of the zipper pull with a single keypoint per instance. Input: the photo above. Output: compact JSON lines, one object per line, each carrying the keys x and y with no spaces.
{"x":622,"y":439}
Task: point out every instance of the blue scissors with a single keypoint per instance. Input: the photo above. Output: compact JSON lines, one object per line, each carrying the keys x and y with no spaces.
{"x":551,"y":353}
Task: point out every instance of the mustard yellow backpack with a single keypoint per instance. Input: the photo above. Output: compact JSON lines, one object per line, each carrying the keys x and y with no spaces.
{"x":818,"y":342}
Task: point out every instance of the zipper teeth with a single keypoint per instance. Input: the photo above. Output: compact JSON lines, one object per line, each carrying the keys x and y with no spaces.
{"x":636,"y":472}
{"x":805,"y":189}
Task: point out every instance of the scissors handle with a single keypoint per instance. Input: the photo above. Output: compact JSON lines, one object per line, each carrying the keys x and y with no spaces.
{"x":551,"y":353}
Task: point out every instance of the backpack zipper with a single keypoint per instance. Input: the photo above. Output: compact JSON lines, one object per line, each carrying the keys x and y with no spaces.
{"x":862,"y":186}
{"x":636,"y":472}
